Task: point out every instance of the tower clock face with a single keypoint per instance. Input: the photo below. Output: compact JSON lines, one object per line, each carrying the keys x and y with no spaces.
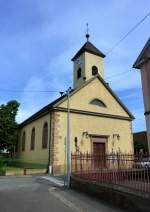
{"x":79,"y":61}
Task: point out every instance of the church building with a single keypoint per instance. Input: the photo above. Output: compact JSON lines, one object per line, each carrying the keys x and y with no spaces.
{"x":99,"y":122}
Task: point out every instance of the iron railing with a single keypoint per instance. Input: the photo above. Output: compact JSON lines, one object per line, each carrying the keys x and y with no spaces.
{"x":122,"y":171}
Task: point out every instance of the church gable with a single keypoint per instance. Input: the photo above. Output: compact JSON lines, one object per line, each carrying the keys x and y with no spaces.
{"x":94,"y":96}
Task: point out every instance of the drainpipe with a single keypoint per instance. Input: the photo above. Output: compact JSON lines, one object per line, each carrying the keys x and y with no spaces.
{"x":68,"y":140}
{"x":49,"y":170}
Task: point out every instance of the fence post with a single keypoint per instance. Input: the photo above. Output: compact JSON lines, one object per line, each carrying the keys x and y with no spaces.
{"x":119,"y":172}
{"x":75,"y":159}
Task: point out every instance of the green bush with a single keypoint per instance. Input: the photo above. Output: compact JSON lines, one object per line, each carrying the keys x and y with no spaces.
{"x":2,"y":168}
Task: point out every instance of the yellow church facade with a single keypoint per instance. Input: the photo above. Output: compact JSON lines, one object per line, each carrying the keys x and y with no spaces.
{"x":99,"y":121}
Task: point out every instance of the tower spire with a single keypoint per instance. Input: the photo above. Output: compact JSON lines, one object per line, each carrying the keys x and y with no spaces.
{"x":87,"y":32}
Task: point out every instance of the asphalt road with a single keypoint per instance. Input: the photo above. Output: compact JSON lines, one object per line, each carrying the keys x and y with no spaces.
{"x":30,"y":194}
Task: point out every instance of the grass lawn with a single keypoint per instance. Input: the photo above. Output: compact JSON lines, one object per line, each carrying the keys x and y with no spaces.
{"x":21,"y":171}
{"x":10,"y":170}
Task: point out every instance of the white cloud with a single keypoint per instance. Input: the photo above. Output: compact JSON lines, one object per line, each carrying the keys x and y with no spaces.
{"x":57,"y":33}
{"x":32,"y":101}
{"x":139,"y":123}
{"x":23,"y":114}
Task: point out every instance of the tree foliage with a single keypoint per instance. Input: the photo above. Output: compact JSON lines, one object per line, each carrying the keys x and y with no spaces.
{"x":140,"y":146}
{"x":8,"y":125}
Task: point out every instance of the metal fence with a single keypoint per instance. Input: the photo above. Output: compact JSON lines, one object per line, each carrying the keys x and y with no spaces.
{"x":122,"y":171}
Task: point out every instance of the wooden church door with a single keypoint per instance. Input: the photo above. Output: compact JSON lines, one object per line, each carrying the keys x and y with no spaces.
{"x":99,"y":150}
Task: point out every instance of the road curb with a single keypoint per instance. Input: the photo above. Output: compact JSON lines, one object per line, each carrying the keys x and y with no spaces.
{"x":54,"y":180}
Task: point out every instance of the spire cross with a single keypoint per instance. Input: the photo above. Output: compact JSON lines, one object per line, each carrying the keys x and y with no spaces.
{"x":87,"y":28}
{"x":87,"y":32}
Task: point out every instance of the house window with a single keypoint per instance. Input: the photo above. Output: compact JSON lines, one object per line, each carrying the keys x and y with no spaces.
{"x":17,"y":144}
{"x":23,"y":141}
{"x":94,"y":70}
{"x":76,"y":142}
{"x":97,"y":102}
{"x":33,"y":139}
{"x":45,"y":136}
{"x":79,"y":73}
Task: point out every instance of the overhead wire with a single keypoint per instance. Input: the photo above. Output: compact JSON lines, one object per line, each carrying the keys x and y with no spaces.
{"x":119,"y":74}
{"x":122,"y":39}
{"x":30,"y":91}
{"x":111,"y":49}
{"x":128,"y":33}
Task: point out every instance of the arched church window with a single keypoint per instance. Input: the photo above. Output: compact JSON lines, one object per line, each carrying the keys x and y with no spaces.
{"x":97,"y":102}
{"x":94,"y":70}
{"x":45,"y":136}
{"x":78,"y":73}
{"x":23,"y":141}
{"x":33,"y":139}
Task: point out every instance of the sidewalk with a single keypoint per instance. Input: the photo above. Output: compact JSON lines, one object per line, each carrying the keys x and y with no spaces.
{"x":57,"y":180}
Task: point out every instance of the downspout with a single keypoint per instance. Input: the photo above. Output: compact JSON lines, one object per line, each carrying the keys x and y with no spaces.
{"x":49,"y":168}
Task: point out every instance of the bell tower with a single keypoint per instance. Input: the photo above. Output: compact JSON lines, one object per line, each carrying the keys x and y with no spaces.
{"x":87,"y":62}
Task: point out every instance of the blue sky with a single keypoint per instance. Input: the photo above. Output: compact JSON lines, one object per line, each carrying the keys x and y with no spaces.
{"x":39,"y":37}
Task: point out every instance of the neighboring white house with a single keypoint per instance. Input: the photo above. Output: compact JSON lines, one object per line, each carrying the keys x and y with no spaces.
{"x":143,"y":63}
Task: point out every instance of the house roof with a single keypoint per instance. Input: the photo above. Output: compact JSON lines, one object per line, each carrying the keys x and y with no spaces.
{"x":107,"y":87}
{"x":140,"y":136}
{"x":43,"y":111}
{"x":88,"y":47}
{"x":142,"y":56}
{"x":55,"y":103}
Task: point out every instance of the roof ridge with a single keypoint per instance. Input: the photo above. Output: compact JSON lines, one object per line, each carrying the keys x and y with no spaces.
{"x":141,"y":59}
{"x":89,"y":47}
{"x":108,"y":88}
{"x":54,"y":103}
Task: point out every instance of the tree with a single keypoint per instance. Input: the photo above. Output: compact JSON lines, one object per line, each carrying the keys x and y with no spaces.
{"x":140,"y":146}
{"x":8,"y":126}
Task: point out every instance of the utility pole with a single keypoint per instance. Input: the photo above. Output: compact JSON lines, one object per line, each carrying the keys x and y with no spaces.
{"x":68,"y":152}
